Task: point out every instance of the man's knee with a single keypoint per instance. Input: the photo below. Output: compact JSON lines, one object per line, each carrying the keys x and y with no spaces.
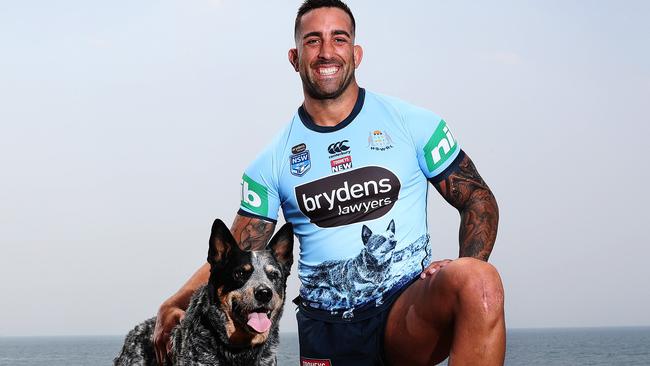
{"x":476,"y":284}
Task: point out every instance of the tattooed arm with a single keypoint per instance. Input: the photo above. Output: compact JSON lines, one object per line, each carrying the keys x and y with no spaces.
{"x":479,"y":214}
{"x":251,"y":234}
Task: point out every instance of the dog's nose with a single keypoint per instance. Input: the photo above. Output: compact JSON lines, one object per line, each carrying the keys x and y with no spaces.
{"x":263,"y":294}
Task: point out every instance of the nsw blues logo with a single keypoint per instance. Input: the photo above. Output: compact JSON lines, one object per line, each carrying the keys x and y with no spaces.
{"x":300,"y":163}
{"x":379,"y":140}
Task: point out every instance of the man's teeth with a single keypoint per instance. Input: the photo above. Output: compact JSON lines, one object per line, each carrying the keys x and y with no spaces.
{"x":328,"y":71}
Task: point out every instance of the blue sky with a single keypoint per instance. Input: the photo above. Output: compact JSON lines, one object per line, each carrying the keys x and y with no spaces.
{"x":125,"y":127}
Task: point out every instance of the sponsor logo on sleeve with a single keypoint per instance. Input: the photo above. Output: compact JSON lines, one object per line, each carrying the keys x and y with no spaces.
{"x":304,"y":361}
{"x":254,"y":196}
{"x":300,"y":163}
{"x":354,"y":196}
{"x":440,"y":147}
{"x":379,"y":140}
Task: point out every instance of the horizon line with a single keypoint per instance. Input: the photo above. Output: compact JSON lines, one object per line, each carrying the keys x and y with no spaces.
{"x":296,"y":332}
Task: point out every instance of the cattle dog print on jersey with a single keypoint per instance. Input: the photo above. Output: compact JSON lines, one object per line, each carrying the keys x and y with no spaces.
{"x":344,"y":284}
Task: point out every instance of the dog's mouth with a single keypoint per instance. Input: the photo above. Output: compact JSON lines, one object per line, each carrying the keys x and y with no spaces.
{"x":257,"y":321}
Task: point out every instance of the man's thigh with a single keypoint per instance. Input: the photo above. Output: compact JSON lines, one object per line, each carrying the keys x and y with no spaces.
{"x":419,"y":328}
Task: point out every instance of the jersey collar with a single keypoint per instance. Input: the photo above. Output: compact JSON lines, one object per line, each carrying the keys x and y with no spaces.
{"x":309,"y":122}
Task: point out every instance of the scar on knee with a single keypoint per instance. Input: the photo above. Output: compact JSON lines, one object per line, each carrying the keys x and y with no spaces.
{"x":411,"y":320}
{"x":485,"y":298}
{"x":490,"y":298}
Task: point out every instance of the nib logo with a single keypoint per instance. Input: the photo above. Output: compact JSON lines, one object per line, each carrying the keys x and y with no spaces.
{"x":254,"y":196}
{"x":440,"y":147}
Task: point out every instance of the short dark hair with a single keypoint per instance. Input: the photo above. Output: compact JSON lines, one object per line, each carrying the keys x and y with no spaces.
{"x":310,"y":5}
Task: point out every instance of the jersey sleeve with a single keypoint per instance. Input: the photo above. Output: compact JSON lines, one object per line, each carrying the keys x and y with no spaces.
{"x":259,"y":187}
{"x":438,"y":151}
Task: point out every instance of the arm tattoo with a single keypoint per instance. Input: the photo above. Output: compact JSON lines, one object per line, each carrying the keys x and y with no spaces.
{"x":252,"y":233}
{"x":479,"y":213}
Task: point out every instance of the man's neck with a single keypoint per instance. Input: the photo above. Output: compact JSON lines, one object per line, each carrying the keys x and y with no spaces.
{"x":331,"y":112}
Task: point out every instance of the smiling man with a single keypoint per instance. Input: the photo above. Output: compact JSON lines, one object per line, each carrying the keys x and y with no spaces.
{"x":350,"y":171}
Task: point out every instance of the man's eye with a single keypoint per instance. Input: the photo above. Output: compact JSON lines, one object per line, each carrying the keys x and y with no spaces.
{"x":341,"y":40}
{"x":312,"y":41}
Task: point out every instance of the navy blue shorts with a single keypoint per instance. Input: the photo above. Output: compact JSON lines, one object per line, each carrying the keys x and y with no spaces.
{"x":344,"y":338}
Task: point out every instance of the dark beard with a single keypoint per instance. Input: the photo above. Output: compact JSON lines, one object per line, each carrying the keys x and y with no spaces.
{"x":315,"y":93}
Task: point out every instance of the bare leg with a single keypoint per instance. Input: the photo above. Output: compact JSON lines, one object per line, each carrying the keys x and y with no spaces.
{"x":457,"y":312}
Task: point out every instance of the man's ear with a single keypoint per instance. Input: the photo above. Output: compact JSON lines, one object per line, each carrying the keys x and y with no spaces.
{"x":293,"y":58}
{"x":221,"y":242}
{"x":358,"y":55}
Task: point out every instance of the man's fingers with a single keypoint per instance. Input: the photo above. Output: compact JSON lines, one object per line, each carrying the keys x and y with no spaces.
{"x":167,"y":319}
{"x":159,"y":357}
{"x":429,"y":271}
{"x":433,"y":267}
{"x":160,"y":344}
{"x":168,"y":347}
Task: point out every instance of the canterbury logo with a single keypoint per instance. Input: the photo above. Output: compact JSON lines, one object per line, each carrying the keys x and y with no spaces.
{"x":338,"y":147}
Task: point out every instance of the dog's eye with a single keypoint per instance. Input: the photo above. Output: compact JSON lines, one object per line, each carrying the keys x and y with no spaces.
{"x":238,"y":274}
{"x":273,"y":275}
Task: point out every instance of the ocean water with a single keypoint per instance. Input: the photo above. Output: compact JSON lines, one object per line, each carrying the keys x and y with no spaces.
{"x":529,"y":347}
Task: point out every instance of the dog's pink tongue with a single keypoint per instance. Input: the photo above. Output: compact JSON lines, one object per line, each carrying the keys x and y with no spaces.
{"x":259,"y":321}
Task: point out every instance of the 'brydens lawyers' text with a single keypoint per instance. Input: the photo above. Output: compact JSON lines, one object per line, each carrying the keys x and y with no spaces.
{"x":354,"y":196}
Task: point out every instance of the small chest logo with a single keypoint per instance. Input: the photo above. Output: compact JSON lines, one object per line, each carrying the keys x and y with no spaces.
{"x":338,"y":147}
{"x":339,"y":154}
{"x":300,"y":163}
{"x":379,"y":140}
{"x":304,"y":361}
{"x":341,"y":164}
{"x":298,"y":148}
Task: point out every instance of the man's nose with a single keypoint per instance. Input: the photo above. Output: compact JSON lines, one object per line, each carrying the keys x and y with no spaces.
{"x":326,"y":50}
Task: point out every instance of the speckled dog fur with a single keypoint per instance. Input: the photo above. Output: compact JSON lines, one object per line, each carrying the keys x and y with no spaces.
{"x":214,"y":330}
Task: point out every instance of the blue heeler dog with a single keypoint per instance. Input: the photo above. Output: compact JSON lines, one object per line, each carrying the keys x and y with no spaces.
{"x":233,"y":320}
{"x":355,"y":278}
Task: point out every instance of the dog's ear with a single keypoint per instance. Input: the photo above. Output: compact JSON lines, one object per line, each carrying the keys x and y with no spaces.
{"x":366,"y":233}
{"x":281,"y":245}
{"x":221,"y":242}
{"x":391,"y":226}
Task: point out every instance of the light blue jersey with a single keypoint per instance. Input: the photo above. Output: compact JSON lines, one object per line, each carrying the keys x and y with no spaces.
{"x":356,"y":194}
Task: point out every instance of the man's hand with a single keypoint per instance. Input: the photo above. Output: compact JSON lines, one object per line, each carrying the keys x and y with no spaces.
{"x":433,"y":267}
{"x":168,"y":317}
